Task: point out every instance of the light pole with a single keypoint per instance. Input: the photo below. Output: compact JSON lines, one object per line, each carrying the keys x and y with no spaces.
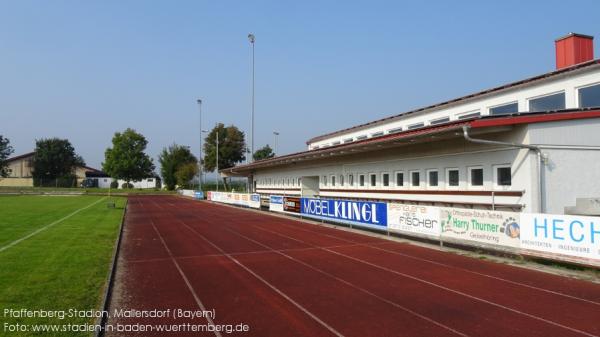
{"x":252,"y":38}
{"x":275,"y":133}
{"x":200,"y":157}
{"x":217,"y":154}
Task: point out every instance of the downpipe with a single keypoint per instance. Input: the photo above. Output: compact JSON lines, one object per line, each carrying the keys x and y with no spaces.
{"x":540,"y":165}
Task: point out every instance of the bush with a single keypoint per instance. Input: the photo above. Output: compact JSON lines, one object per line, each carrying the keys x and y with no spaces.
{"x":127,"y":185}
{"x":114,"y":184}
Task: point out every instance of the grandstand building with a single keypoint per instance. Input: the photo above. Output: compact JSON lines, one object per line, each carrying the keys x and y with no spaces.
{"x":531,"y":145}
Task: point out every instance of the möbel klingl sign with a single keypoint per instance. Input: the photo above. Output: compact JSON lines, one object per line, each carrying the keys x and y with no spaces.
{"x":370,"y":213}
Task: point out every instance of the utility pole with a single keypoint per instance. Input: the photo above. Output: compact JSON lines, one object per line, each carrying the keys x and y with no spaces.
{"x":200,"y":157}
{"x":252,"y":38}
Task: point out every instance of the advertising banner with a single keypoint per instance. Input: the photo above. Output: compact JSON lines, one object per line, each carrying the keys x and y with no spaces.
{"x":291,"y":204}
{"x":199,"y":195}
{"x":569,"y":235}
{"x":489,"y":227}
{"x":414,"y":219}
{"x":373,"y":214}
{"x":240,"y":199}
{"x":276,"y":203}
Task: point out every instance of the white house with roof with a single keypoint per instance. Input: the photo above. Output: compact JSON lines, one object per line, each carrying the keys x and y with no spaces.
{"x":531,"y":145}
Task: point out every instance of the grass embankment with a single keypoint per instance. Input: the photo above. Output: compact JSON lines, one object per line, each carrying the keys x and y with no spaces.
{"x":62,"y":267}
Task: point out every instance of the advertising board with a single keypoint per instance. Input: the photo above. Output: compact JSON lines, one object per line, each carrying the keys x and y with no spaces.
{"x":373,"y":214}
{"x":276,"y":203}
{"x":414,"y":219}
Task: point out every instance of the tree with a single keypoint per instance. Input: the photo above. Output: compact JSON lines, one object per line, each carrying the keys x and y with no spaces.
{"x":5,"y":151}
{"x":185,"y":173}
{"x":55,"y":159}
{"x":171,"y":159}
{"x":126,"y":160}
{"x":264,"y":153}
{"x":232,"y":148}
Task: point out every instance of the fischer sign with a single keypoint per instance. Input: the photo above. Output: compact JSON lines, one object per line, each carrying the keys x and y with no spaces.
{"x":414,"y":219}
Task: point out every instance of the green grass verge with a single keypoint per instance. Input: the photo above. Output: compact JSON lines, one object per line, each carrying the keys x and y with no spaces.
{"x":62,"y":267}
{"x":80,"y":190}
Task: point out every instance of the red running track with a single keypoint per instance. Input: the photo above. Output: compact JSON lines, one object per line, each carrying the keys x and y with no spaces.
{"x":283,"y":277}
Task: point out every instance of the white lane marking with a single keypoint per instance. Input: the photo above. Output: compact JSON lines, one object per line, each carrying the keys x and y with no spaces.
{"x":274,"y":288}
{"x":48,"y":226}
{"x":185,"y":279}
{"x":442,"y":287}
{"x":397,"y":305}
{"x":372,"y":245}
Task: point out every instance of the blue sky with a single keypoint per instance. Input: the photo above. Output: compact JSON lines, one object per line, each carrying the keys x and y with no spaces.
{"x":82,"y":69}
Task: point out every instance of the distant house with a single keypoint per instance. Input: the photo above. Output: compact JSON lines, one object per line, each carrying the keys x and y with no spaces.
{"x":21,"y":168}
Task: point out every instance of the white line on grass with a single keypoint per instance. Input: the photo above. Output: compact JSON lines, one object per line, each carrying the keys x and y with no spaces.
{"x":48,"y":226}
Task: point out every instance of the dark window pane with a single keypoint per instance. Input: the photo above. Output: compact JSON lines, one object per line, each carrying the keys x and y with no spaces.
{"x":548,"y":103}
{"x":415,"y":179}
{"x":416,"y":126}
{"x":377,"y":134}
{"x":504,"y":176}
{"x":453,"y":178}
{"x":386,"y":179}
{"x":440,"y":121}
{"x":477,"y":177}
{"x":396,"y":130}
{"x":350,"y":180}
{"x":433,"y":178}
{"x":399,"y":179}
{"x":341,"y":180}
{"x":589,"y":97}
{"x":373,"y":180}
{"x":361,"y":180}
{"x":333,"y":181}
{"x":471,"y":115}
{"x":503,"y":109}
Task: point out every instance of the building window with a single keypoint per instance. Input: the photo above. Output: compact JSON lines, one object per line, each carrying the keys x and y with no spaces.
{"x":432,"y":177}
{"x":399,"y":178}
{"x":361,"y":137}
{"x":335,"y":143}
{"x":361,"y":180}
{"x":504,"y":109}
{"x":416,"y":126}
{"x":395,"y":130}
{"x":332,"y":180}
{"x":377,"y":134}
{"x":503,"y":176}
{"x":452,"y":177}
{"x":476,"y":176}
{"x":548,"y":103}
{"x":373,"y":180}
{"x":385,"y":179}
{"x":350,"y":180}
{"x":324,"y":180}
{"x":341,"y":180}
{"x":415,"y":178}
{"x":348,"y":140}
{"x":439,"y":121}
{"x":470,"y":115}
{"x":589,"y":96}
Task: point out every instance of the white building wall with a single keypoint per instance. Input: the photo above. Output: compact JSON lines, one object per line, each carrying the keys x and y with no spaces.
{"x":573,"y":167}
{"x":568,"y":83}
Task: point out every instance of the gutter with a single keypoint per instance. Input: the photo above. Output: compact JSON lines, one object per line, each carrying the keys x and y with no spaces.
{"x":541,"y":160}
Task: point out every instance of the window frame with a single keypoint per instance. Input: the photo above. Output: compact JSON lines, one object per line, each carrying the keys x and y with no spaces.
{"x":489,"y":109}
{"x":447,"y":182}
{"x":440,"y":120}
{"x":578,"y":93}
{"x":350,"y":179}
{"x":411,"y":182}
{"x":396,"y":179}
{"x":428,"y":184}
{"x":371,"y":175}
{"x":470,"y":179}
{"x":529,"y":99}
{"x":324,"y":181}
{"x":388,"y":179}
{"x":496,"y":176}
{"x":332,"y":179}
{"x":469,"y":114}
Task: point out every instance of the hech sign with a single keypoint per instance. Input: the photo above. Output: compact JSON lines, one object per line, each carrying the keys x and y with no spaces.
{"x":414,"y":219}
{"x":490,"y":227}
{"x":356,"y":212}
{"x":568,"y":235}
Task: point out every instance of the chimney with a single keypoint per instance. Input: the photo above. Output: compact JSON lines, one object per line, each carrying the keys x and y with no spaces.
{"x":573,"y":49}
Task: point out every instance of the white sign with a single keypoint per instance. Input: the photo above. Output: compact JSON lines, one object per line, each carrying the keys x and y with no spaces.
{"x":569,"y":235}
{"x":240,"y":199}
{"x":490,"y":227}
{"x":276,"y":203}
{"x":414,"y":219}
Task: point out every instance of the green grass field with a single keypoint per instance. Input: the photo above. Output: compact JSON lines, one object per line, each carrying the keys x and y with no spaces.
{"x":62,"y":267}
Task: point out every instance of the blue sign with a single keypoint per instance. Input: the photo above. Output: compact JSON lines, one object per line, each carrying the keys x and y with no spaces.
{"x":199,"y":195}
{"x":276,"y":199}
{"x":255,"y":197}
{"x":357,"y":212}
